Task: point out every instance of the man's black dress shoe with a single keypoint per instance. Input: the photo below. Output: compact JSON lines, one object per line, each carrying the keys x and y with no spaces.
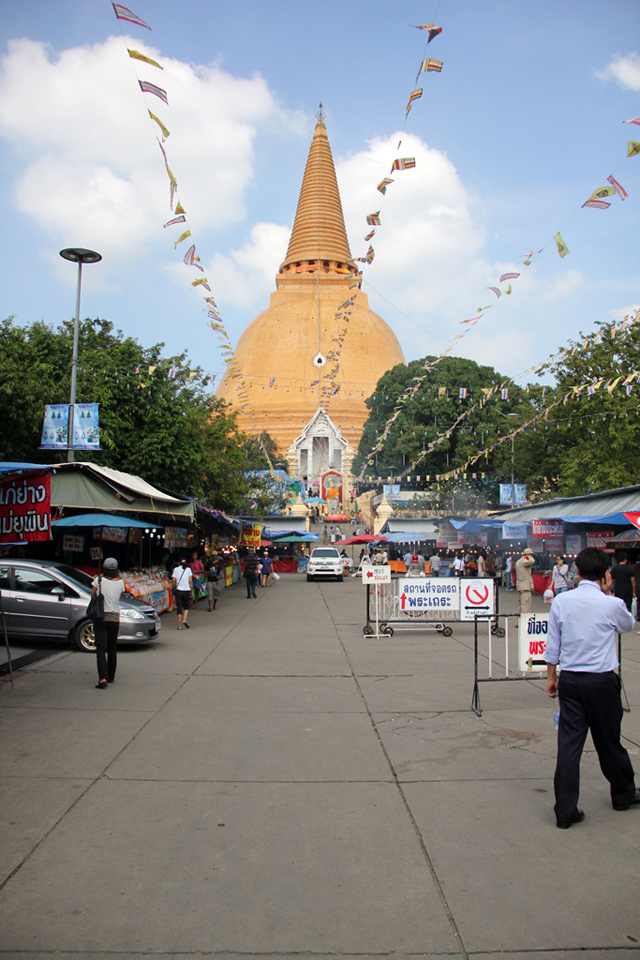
{"x":633,"y":802}
{"x":578,"y":817}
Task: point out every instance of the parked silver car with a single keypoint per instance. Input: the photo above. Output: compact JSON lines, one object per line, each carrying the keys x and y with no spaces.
{"x":325,"y":562}
{"x":45,"y":599}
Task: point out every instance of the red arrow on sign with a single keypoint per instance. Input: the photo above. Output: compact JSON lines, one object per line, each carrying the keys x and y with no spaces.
{"x":369,"y":574}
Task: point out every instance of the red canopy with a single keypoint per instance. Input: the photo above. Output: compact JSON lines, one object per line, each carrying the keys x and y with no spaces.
{"x":336,"y":518}
{"x":363,"y":538}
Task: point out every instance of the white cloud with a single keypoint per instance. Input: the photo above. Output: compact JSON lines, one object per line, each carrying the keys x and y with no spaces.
{"x":429,"y":249}
{"x":619,"y":313}
{"x":93,"y":174}
{"x":560,"y":287}
{"x":246,"y":277}
{"x":625,"y":70}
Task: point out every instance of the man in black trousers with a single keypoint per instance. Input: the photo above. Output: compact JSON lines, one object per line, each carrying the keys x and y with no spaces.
{"x":583,"y":624}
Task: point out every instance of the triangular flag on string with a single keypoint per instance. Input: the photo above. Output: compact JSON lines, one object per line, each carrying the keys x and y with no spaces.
{"x":136,"y":55}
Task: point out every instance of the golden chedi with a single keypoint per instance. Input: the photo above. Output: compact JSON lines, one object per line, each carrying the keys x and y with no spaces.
{"x":289,"y":354}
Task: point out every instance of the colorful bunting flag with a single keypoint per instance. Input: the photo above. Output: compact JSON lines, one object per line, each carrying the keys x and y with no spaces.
{"x":406,"y":163}
{"x":170,"y":223}
{"x":597,"y":204}
{"x":428,"y":65}
{"x":509,"y":276}
{"x":619,"y":189}
{"x":504,"y":394}
{"x":382,"y":186}
{"x":370,"y":236}
{"x":414,"y":95}
{"x":496,"y":290}
{"x":633,"y":147}
{"x":602,"y":192}
{"x":373,"y":219}
{"x":184,"y":236}
{"x":563,"y":249}
{"x":147,"y":87}
{"x":122,"y":13}
{"x":165,"y":132}
{"x":462,"y":393}
{"x":136,"y":55}
{"x":369,"y":256}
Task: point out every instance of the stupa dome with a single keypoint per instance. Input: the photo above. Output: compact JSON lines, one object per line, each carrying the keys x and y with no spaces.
{"x":303,"y":352}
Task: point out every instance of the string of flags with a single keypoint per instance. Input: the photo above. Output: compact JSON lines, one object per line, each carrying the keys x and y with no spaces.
{"x":598,"y":200}
{"x":588,"y":388}
{"x":179,"y":217}
{"x":399,"y":165}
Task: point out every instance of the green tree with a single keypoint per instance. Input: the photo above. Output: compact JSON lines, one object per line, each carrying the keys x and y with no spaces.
{"x":434,"y":410}
{"x":592,"y":442}
{"x":167,"y":430}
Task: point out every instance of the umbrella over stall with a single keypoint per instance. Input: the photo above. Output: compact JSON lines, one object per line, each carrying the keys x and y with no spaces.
{"x":98,"y":521}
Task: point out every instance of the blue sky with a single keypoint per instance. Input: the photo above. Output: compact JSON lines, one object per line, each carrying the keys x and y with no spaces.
{"x":521,"y":126}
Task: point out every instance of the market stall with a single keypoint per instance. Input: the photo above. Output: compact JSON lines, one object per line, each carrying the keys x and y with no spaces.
{"x":123,"y":534}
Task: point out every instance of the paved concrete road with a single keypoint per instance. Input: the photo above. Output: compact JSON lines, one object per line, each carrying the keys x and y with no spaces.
{"x":272,"y":783}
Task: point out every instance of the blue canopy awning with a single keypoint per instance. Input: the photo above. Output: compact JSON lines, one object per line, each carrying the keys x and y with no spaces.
{"x":103,"y":520}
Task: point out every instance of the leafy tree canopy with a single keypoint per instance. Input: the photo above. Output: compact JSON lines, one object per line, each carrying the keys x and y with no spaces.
{"x":169,"y":431}
{"x":433,"y":411}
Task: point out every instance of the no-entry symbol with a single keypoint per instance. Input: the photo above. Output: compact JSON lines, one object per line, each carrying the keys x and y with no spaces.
{"x":477,"y":598}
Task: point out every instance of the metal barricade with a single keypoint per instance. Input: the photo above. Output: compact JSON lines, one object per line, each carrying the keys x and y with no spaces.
{"x":384,"y":610}
{"x":528,"y":653}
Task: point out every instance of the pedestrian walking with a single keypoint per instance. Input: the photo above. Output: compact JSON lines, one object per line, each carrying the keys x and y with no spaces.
{"x":182,"y":584}
{"x":623,"y":580}
{"x":250,"y":573}
{"x":560,"y":576}
{"x":197,"y":573}
{"x":111,"y":586}
{"x":581,"y":638}
{"x":458,"y":565}
{"x":436,"y":564}
{"x":213,"y":580}
{"x":267,"y":565}
{"x":524,"y":580}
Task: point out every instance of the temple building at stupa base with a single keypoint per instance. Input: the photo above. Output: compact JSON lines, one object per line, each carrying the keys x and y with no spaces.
{"x":300,"y":356}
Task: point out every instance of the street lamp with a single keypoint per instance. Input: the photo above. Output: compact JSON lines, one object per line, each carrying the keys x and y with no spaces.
{"x":77,"y":255}
{"x":513,"y":487}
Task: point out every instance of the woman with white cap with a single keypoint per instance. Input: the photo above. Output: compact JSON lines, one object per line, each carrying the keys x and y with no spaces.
{"x":111,"y":586}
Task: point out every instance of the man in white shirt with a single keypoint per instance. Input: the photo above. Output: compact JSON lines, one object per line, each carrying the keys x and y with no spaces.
{"x":182,"y":583}
{"x":582,"y":638}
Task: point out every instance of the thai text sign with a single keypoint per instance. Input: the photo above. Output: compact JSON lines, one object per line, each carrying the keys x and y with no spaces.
{"x":25,"y":508}
{"x":72,"y":544}
{"x":547,"y":528}
{"x":250,"y":536}
{"x":376,"y":574}
{"x":599,"y":538}
{"x":476,"y":598}
{"x":419,"y":595}
{"x":532,"y":641}
{"x":112,"y":534}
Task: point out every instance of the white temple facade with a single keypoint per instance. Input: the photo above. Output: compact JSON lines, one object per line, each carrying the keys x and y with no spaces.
{"x":322,"y":458}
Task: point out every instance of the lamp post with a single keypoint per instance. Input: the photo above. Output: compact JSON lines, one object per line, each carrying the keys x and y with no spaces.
{"x":77,"y":255}
{"x":513,"y":486}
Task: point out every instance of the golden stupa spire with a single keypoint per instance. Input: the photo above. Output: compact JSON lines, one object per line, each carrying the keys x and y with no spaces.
{"x":318,"y":229}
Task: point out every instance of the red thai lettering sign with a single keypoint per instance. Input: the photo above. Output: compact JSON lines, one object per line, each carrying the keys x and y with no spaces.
{"x":25,"y":508}
{"x":546,"y":528}
{"x":599,"y":538}
{"x":250,"y":536}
